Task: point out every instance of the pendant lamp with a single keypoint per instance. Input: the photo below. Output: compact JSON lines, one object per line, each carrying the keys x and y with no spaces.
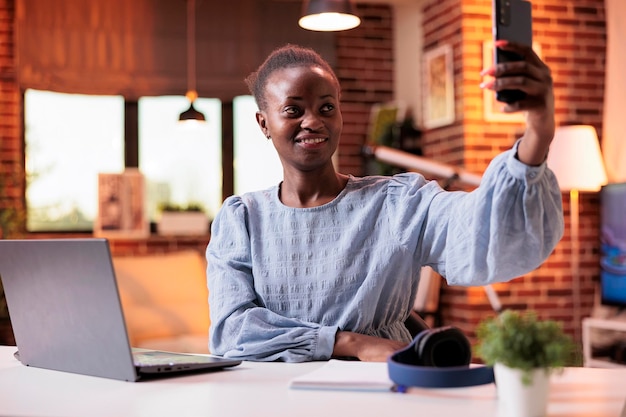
{"x":191,"y":113}
{"x":328,"y":15}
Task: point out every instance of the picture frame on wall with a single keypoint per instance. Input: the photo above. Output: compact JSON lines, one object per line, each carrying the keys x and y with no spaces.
{"x":491,"y":107}
{"x":439,"y":87}
{"x":121,"y":211}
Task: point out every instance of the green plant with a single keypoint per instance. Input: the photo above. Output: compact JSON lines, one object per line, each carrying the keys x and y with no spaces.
{"x":523,"y":341}
{"x":11,"y":218}
{"x":196,"y":207}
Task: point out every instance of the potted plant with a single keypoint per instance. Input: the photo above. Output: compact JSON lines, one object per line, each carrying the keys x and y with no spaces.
{"x":183,"y":220}
{"x":524,"y":352}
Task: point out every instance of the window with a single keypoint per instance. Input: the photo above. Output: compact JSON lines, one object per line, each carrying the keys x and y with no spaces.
{"x":256,"y":162}
{"x":182,"y":164}
{"x":69,"y":139}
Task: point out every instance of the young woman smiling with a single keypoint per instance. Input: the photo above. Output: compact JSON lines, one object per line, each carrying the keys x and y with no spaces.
{"x":326,"y":264}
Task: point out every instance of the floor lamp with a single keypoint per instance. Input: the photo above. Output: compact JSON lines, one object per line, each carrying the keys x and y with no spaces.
{"x":576,"y":160}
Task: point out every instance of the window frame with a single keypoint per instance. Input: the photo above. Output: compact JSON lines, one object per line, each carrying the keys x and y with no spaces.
{"x":131,"y":141}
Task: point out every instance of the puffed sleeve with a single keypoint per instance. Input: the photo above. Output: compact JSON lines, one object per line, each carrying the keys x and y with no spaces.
{"x":240,"y":327}
{"x":503,"y":229}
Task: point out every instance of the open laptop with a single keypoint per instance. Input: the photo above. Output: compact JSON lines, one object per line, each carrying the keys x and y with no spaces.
{"x":67,"y":315}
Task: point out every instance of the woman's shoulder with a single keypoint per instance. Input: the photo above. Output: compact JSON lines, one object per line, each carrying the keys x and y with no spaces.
{"x":252,"y":199}
{"x":402,"y":180}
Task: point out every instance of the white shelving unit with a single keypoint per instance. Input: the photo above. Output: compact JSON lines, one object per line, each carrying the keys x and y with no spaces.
{"x":588,"y":324}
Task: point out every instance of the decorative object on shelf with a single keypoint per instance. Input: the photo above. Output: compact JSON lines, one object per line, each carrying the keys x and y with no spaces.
{"x":191,"y":114}
{"x":439,"y":88}
{"x":177,"y":220}
{"x":391,"y":125}
{"x":611,"y":353}
{"x":328,"y":15}
{"x":121,"y":205}
{"x":577,"y":162}
{"x":524,"y":351}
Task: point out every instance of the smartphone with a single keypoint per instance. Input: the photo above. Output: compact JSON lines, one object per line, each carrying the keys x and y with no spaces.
{"x":512,"y":21}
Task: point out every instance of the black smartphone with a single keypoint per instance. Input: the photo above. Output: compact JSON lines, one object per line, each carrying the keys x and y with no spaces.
{"x":512,"y":21}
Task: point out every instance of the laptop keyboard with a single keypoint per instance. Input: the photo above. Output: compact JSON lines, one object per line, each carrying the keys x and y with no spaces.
{"x":166,"y":358}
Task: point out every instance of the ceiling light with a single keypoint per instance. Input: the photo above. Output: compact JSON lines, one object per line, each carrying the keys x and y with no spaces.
{"x":328,"y":15}
{"x":191,"y":113}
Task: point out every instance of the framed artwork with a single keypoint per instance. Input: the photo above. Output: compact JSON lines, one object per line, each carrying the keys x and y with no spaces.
{"x":121,"y":205}
{"x":382,"y":116}
{"x":491,"y":106}
{"x":439,"y":88}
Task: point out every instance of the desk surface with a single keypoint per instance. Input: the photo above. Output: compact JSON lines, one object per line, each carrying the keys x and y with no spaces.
{"x":262,"y":389}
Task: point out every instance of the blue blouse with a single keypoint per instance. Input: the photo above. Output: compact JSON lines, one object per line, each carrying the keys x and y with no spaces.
{"x":282,"y":280}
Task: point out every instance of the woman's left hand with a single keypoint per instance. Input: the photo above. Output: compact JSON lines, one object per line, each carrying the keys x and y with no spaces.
{"x":532,"y":76}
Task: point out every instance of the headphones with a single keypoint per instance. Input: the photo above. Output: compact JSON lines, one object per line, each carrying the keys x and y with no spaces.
{"x":437,"y":358}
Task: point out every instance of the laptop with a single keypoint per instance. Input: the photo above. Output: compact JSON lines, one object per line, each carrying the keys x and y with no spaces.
{"x":67,"y":315}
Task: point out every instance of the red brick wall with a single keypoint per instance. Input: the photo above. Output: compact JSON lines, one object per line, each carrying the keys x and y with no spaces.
{"x":365,"y":70}
{"x":11,"y":161}
{"x":442,"y":26}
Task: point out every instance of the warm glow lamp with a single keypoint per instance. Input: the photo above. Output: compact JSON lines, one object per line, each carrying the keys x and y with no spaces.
{"x":191,"y":114}
{"x":328,"y":15}
{"x":576,"y":160}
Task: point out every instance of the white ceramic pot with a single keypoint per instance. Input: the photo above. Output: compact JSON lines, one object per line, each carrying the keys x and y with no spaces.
{"x":516,"y":399}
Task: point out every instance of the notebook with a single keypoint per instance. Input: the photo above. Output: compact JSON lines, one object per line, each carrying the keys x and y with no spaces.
{"x":346,"y":376}
{"x":67,"y":315}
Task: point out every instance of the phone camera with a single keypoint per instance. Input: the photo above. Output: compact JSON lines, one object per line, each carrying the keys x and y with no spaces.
{"x":504,"y":12}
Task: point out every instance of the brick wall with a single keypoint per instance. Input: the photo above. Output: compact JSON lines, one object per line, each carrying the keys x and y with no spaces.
{"x":11,"y":160}
{"x":365,"y":70}
{"x":442,"y":26}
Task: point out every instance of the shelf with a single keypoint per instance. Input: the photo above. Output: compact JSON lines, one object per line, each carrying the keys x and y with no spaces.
{"x":158,"y":244}
{"x":599,"y":362}
{"x":128,"y":245}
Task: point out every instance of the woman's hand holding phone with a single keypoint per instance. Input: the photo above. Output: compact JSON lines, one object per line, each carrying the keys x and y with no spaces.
{"x":534,"y":78}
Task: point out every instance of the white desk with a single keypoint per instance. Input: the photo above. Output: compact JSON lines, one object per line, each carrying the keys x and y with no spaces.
{"x":261,"y":389}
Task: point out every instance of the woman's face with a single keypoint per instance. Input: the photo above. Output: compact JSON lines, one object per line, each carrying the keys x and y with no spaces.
{"x":302,"y":116}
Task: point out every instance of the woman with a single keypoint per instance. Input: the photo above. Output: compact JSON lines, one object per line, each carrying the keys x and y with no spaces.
{"x":327,"y":265}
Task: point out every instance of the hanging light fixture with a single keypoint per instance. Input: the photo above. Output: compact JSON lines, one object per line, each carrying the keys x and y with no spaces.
{"x":191,"y":113}
{"x":328,"y":15}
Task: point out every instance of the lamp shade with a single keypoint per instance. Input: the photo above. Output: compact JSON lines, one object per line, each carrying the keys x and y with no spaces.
{"x":328,"y":15}
{"x":191,"y":114}
{"x":576,"y":160}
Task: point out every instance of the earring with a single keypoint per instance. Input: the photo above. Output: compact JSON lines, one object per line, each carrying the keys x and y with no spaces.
{"x":268,"y":136}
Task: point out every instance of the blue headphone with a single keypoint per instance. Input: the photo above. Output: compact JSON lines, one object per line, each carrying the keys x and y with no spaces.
{"x":437,"y":358}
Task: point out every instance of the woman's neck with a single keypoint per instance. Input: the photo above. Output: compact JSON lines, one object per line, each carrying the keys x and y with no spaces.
{"x":304,"y":190}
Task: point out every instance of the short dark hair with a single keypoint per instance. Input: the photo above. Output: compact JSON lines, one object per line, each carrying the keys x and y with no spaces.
{"x":286,"y":56}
